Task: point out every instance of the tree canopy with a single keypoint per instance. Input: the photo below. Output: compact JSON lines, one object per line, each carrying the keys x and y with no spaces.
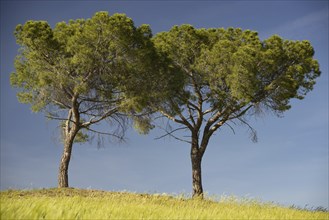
{"x":85,"y":71}
{"x":235,"y":67}
{"x":229,"y":74}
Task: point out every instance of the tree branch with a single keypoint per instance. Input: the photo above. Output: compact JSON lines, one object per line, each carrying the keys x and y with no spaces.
{"x":241,"y":113}
{"x":61,"y":104}
{"x":190,"y":111}
{"x":170,"y":132}
{"x":68,"y":127}
{"x":230,"y":127}
{"x":209,"y":111}
{"x":105,"y":115}
{"x":171,"y":135}
{"x":193,"y":105}
{"x":105,"y":133}
{"x":172,"y":118}
{"x":253,"y":132}
{"x":57,"y":118}
{"x":185,"y":121}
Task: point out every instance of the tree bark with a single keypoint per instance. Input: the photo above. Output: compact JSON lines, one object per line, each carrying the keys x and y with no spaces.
{"x":196,"y":176}
{"x":63,"y":180}
{"x":196,"y":158}
{"x":70,"y":131}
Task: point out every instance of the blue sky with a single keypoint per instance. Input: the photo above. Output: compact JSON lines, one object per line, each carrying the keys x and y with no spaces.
{"x":288,"y":165}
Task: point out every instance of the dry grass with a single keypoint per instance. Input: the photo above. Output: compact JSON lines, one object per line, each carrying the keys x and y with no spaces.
{"x":93,"y":204}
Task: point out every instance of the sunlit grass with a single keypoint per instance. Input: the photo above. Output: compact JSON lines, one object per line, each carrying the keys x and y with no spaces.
{"x":92,"y":204}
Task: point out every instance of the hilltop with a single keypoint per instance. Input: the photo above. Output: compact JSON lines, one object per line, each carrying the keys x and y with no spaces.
{"x":95,"y":204}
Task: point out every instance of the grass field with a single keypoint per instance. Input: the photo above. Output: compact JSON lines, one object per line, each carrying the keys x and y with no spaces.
{"x":91,"y":204}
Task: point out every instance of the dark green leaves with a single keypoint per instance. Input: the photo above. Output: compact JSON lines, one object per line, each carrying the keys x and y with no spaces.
{"x":98,"y":65}
{"x":107,"y":62}
{"x":236,"y":68}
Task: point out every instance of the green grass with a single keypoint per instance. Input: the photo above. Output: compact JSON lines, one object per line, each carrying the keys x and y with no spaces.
{"x":92,"y":204}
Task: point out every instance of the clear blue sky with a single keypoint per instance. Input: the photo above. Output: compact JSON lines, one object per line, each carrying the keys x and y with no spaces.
{"x":288,"y":165}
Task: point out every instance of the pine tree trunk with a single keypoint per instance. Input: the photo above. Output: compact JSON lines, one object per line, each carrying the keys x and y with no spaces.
{"x":196,"y":175}
{"x":196,"y":159}
{"x":70,"y":130}
{"x":69,"y":134}
{"x":63,"y":180}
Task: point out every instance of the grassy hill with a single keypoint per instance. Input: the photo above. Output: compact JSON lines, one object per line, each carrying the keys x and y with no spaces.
{"x":92,"y":204}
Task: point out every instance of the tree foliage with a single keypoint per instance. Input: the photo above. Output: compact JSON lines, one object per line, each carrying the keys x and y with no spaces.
{"x":230,"y":70}
{"x":86,"y":71}
{"x":103,"y":62}
{"x":229,"y":74}
{"x":234,"y":67}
